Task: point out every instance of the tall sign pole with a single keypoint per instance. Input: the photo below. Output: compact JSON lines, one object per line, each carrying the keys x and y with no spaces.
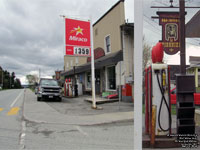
{"x":79,"y":42}
{"x":138,"y":51}
{"x":182,"y":36}
{"x":92,"y":67}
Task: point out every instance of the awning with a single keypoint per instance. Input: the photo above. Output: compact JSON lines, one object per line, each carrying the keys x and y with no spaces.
{"x":110,"y":59}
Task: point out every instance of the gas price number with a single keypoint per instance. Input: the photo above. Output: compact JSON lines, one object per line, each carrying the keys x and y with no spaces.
{"x":82,"y":51}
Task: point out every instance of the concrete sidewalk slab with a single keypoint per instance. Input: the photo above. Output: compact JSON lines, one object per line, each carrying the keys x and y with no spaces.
{"x":100,"y":100}
{"x":41,"y":112}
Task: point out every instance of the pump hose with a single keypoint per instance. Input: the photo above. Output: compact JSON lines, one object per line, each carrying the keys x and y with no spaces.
{"x":163,"y":99}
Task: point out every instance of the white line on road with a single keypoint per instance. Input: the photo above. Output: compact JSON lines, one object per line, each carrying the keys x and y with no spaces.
{"x":13,"y":103}
{"x":81,"y":131}
{"x":22,"y":136}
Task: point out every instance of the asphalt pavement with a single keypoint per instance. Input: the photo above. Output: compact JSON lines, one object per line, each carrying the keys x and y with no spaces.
{"x":10,"y":118}
{"x":75,"y":111}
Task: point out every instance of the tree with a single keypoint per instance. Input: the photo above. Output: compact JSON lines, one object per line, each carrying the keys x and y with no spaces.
{"x":32,"y":79}
{"x":146,"y":55}
{"x":17,"y":83}
{"x":1,"y":76}
{"x":12,"y":79}
{"x":6,"y":79}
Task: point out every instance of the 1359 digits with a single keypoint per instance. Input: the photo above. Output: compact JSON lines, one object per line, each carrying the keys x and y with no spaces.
{"x":81,"y":51}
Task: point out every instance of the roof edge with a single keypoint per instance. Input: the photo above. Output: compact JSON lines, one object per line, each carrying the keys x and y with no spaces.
{"x":108,"y":11}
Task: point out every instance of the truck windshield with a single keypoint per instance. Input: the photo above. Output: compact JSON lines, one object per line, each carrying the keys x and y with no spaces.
{"x":49,"y":82}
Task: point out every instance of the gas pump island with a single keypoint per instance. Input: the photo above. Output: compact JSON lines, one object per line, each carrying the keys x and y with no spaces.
{"x":158,"y":118}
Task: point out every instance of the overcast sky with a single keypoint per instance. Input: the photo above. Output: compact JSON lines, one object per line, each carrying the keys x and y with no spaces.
{"x":31,"y":31}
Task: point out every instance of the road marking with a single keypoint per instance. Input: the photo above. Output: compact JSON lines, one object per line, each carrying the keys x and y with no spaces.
{"x":1,"y":109}
{"x":81,"y":131}
{"x":22,"y":135}
{"x":13,"y":111}
{"x":13,"y":103}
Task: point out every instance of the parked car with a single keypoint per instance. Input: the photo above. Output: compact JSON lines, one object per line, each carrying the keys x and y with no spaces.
{"x":48,"y":89}
{"x":173,"y":97}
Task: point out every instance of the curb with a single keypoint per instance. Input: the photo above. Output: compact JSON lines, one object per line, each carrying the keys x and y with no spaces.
{"x":79,"y":124}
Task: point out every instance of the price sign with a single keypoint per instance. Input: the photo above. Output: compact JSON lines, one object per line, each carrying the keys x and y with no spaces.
{"x":82,"y":51}
{"x":77,"y":37}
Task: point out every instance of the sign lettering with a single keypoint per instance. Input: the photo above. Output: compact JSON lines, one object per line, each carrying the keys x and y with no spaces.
{"x":170,"y":31}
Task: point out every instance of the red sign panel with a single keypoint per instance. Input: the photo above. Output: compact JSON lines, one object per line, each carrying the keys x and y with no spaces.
{"x":77,"y":37}
{"x":170,"y":31}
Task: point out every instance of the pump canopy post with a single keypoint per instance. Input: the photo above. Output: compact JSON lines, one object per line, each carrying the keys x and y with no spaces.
{"x":138,"y":51}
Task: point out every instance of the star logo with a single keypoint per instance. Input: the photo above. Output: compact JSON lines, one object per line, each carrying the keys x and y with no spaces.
{"x":78,"y":31}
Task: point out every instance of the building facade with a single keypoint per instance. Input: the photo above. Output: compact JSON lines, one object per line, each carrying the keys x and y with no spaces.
{"x":113,"y":45}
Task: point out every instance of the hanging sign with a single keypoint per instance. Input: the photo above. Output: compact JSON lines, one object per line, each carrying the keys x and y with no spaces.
{"x":77,"y":37}
{"x":170,"y":31}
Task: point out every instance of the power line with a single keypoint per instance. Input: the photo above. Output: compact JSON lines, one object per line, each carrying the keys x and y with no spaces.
{"x":147,"y":21}
{"x":150,"y":22}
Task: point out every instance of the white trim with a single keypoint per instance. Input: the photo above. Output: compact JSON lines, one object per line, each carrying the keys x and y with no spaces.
{"x":105,"y":47}
{"x":138,"y":46}
{"x":76,"y":17}
{"x":111,"y":90}
{"x":106,"y":68}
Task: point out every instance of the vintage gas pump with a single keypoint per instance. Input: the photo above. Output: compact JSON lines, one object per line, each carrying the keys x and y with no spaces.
{"x":68,"y":88}
{"x":65,"y":87}
{"x":161,"y":98}
{"x":157,"y":95}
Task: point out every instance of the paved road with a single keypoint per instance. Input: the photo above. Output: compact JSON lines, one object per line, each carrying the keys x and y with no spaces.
{"x":71,"y":137}
{"x":65,"y":126}
{"x":10,"y":118}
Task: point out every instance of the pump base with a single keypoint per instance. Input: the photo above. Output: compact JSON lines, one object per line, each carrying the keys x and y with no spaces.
{"x":169,"y":142}
{"x":160,"y":142}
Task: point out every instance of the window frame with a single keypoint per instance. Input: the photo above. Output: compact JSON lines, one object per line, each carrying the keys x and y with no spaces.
{"x":105,"y":44}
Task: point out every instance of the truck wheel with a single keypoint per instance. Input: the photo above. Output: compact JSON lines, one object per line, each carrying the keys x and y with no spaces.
{"x":38,"y":99}
{"x":60,"y":99}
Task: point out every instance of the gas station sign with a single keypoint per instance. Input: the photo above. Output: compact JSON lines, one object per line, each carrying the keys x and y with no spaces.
{"x":77,"y":37}
{"x":170,"y":31}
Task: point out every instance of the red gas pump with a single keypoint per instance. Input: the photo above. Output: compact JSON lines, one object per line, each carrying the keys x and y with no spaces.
{"x":66,"y":87}
{"x":157,"y":96}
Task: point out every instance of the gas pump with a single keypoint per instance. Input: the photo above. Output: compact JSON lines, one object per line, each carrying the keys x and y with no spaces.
{"x":65,"y":87}
{"x":161,"y":98}
{"x":68,"y":88}
{"x":157,"y":96}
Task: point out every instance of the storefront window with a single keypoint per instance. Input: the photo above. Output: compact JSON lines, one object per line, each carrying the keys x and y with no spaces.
{"x":111,"y":79}
{"x":88,"y":80}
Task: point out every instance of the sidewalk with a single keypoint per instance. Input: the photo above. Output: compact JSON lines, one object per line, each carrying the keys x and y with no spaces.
{"x":79,"y":113}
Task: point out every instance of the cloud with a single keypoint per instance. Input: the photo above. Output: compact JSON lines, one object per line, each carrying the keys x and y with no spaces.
{"x":31,"y":32}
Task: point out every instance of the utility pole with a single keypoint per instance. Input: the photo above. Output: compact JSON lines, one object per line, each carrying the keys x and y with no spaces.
{"x":39,"y":74}
{"x":182,"y":36}
{"x":75,"y":83}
